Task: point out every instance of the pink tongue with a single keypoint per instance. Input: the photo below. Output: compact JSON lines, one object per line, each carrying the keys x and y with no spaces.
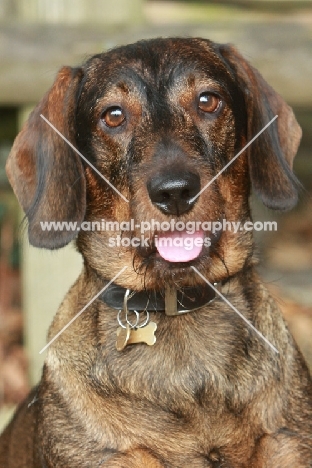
{"x":179,"y":246}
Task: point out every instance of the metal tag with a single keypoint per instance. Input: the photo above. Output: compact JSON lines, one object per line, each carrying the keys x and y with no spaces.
{"x":123,"y":335}
{"x":171,"y":303}
{"x":143,"y":335}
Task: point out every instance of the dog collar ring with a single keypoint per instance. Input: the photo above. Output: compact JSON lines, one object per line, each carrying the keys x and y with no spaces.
{"x":126,"y":313}
{"x":130,"y":333}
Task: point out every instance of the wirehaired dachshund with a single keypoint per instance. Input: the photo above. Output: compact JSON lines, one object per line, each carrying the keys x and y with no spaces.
{"x":176,"y":355}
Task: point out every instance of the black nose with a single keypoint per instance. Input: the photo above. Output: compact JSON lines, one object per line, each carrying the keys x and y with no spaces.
{"x":174,"y":193}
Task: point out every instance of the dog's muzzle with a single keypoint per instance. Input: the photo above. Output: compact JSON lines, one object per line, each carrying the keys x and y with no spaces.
{"x":174,"y":194}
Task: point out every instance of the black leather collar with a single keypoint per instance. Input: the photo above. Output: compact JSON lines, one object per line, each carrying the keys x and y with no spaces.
{"x":188,"y":299}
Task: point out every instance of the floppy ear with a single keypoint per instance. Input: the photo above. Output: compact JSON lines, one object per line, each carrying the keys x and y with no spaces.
{"x":46,"y":174}
{"x":271,"y":155}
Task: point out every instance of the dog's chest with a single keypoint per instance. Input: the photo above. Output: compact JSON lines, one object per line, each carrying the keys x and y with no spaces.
{"x":172,"y":397}
{"x":183,"y":378}
{"x":173,"y":400}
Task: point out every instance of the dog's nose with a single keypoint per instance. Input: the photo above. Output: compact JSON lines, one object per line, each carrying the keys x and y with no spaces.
{"x":174,"y":193}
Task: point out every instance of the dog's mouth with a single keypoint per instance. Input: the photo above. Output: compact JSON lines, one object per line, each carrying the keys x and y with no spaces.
{"x":179,"y":246}
{"x":178,"y":249}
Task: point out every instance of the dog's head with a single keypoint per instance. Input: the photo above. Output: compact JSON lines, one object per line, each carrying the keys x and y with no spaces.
{"x":154,"y":123}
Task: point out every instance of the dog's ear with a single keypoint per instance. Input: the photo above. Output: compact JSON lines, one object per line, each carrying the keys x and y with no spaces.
{"x":46,"y":174}
{"x":271,"y":154}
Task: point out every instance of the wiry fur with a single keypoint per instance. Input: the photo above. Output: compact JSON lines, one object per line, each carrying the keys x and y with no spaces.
{"x":210,"y":392}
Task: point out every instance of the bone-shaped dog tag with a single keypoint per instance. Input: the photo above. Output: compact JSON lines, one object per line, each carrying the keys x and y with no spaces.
{"x":123,"y":335}
{"x":143,"y":335}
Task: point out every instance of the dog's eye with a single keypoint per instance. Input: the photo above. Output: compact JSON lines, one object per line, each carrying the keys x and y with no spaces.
{"x":209,"y":102}
{"x":113,"y":116}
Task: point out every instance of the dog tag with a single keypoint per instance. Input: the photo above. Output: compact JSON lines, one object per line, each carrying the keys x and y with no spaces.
{"x":143,"y":335}
{"x":171,"y":307}
{"x":123,"y":335}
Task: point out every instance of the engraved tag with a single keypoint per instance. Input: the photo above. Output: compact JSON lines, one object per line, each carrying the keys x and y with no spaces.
{"x":143,"y":335}
{"x":171,"y":306}
{"x":123,"y":335}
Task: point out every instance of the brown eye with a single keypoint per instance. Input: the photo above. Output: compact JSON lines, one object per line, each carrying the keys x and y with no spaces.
{"x":209,"y":102}
{"x":113,"y":116}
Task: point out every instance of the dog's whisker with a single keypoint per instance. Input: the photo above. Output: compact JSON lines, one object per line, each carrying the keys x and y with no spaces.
{"x":223,"y":262}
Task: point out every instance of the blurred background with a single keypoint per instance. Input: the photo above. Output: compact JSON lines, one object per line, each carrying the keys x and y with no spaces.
{"x":37,"y":37}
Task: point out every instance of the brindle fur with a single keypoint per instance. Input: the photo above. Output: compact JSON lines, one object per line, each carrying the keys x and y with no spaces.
{"x":210,"y":392}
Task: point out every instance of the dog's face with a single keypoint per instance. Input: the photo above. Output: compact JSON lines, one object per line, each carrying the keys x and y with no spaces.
{"x":159,"y":120}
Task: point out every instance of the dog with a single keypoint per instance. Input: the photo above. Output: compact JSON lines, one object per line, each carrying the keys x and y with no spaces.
{"x":176,"y":355}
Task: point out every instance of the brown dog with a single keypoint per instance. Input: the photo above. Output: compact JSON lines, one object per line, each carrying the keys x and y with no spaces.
{"x":159,"y":120}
